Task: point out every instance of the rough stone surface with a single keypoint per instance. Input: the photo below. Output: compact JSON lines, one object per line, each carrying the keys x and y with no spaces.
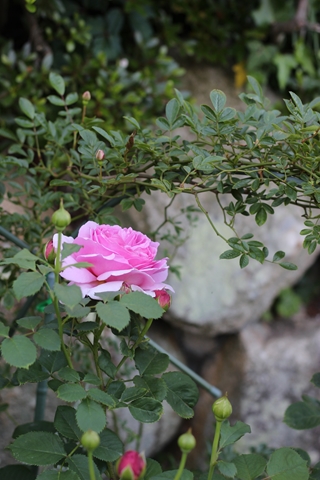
{"x":264,"y":369}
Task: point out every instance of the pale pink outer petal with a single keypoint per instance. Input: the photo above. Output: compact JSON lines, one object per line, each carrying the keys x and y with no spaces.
{"x":105,"y":287}
{"x":64,"y":239}
{"x":86,"y":229}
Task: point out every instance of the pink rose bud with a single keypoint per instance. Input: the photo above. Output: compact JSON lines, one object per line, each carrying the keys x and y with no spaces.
{"x":163,"y":298}
{"x":86,"y":97}
{"x":125,"y":288}
{"x":49,"y":253}
{"x":131,"y":466}
{"x":100,"y":155}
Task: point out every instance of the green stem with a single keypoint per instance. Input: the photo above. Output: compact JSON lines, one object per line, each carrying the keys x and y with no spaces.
{"x":91,"y":465}
{"x":208,"y":218}
{"x":181,"y":466}
{"x":55,"y":302}
{"x":214,"y":453}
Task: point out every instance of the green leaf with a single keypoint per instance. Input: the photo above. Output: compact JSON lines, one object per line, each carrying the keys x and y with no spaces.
{"x":218,"y":99}
{"x":163,"y":123}
{"x":57,"y":82}
{"x":278,"y":256}
{"x":56,"y":100}
{"x":227,"y":469}
{"x":171,"y":474}
{"x":153,"y":469}
{"x":28,"y":283}
{"x":182,"y":393}
{"x":47,"y":339}
{"x":101,"y":397}
{"x":229,"y":254}
{"x":133,"y":121}
{"x":244,"y":261}
{"x":29,"y":323}
{"x":142,"y":304}
{"x":261,"y":216}
{"x":149,"y":362}
{"x":19,"y":351}
{"x":65,"y":422}
{"x":79,"y":465}
{"x":110,"y":448}
{"x":26,"y":107}
{"x":69,"y":295}
{"x":316,"y":379}
{"x":57,"y":475}
{"x":38,"y":426}
{"x":286,"y":464}
{"x":92,"y":379}
{"x":114,"y":315}
{"x":69,"y":374}
{"x":106,"y":135}
{"x":69,"y":248}
{"x":288,"y":266}
{"x":116,"y":388}
{"x":33,"y":374}
{"x":90,"y":416}
{"x":156,"y":387}
{"x":4,"y":330}
{"x":172,"y":110}
{"x":72,"y":98}
{"x":106,"y":364}
{"x":38,"y":448}
{"x":24,"y":259}
{"x":146,"y":410}
{"x":230,"y":434}
{"x":52,"y":361}
{"x":71,"y":392}
{"x":17,"y":472}
{"x":302,"y":415}
{"x":249,"y":466}
{"x":132,"y":393}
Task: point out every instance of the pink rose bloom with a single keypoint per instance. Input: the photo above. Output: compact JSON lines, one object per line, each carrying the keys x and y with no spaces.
{"x":131,"y":465}
{"x":121,"y":259}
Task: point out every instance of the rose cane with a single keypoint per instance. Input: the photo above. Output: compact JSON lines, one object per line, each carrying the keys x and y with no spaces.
{"x":131,"y":466}
{"x":222,"y":409}
{"x":186,"y":442}
{"x":90,"y":440}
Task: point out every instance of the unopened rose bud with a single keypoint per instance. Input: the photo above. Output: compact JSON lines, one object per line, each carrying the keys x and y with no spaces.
{"x":100,"y":156}
{"x":49,"y":253}
{"x":90,"y":440}
{"x":61,"y":218}
{"x":222,"y":408}
{"x":186,"y":442}
{"x":125,"y":288}
{"x":86,"y":97}
{"x":163,"y":298}
{"x":131,"y":466}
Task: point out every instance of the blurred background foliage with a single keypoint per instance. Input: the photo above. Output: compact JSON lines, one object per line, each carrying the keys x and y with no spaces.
{"x":128,"y":52}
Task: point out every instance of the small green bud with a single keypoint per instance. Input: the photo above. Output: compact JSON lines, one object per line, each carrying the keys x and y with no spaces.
{"x":90,"y":440}
{"x":61,"y":218}
{"x":186,"y":442}
{"x":222,"y":408}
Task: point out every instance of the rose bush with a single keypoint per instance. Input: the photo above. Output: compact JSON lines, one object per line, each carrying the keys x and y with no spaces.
{"x":120,"y":259}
